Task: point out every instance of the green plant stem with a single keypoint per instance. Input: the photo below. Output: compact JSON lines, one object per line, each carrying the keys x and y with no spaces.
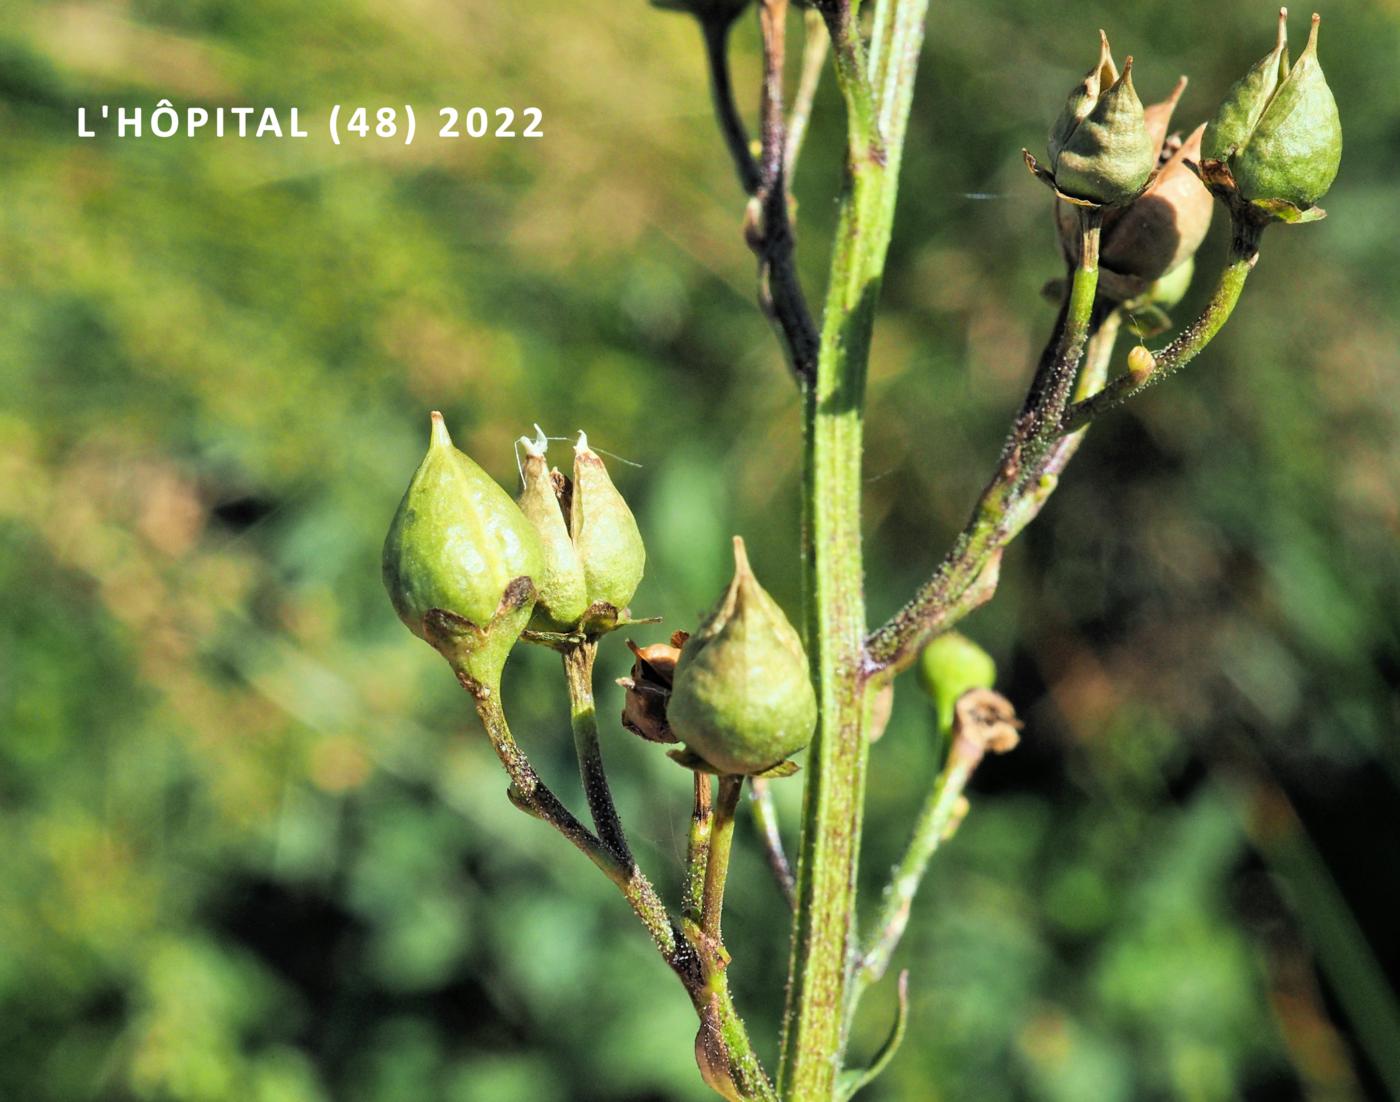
{"x":1244,"y":252}
{"x":816,"y":44}
{"x":731,"y":124}
{"x":723,"y":1051}
{"x":937,"y":818}
{"x":697,"y":850}
{"x":530,"y":793}
{"x":848,"y":52}
{"x":578,"y":671}
{"x":723,"y":1048}
{"x":834,"y":604}
{"x":1098,"y":355}
{"x":717,"y":863}
{"x":881,"y":28}
{"x":967,"y":575}
{"x":765,"y":817}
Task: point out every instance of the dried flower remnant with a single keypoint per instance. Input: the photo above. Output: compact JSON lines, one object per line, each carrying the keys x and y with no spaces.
{"x":649,"y":689}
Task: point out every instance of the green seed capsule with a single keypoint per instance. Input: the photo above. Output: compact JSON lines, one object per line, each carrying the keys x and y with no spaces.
{"x":1082,"y":100}
{"x":952,"y":665}
{"x":604,"y":532}
{"x":560,"y":586}
{"x":1278,"y":131}
{"x":1244,"y":104}
{"x":460,"y":545}
{"x":1155,"y":235}
{"x":1107,"y":156}
{"x":742,"y":698}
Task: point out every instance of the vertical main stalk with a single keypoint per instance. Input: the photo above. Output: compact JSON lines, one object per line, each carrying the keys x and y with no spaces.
{"x":832,"y":565}
{"x":834,"y":612}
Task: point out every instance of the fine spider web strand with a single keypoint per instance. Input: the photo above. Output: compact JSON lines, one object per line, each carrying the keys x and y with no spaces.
{"x":541,"y":437}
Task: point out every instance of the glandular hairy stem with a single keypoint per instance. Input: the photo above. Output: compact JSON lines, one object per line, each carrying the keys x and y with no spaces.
{"x":833,"y":572}
{"x":1244,"y":253}
{"x":578,"y":670}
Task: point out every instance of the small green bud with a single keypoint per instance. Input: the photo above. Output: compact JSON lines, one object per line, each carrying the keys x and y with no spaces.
{"x":560,"y":585}
{"x":952,"y":665}
{"x":1141,"y":364}
{"x":459,"y":561}
{"x":1101,"y":151}
{"x":1278,"y":131}
{"x":604,"y":532}
{"x":742,"y":698}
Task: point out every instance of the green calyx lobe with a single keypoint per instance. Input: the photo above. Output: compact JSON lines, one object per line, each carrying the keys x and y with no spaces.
{"x":459,"y":561}
{"x":952,"y":665}
{"x":742,"y":697}
{"x":1101,"y":150}
{"x":1278,"y":130}
{"x":562,"y":592}
{"x":1081,"y":101}
{"x":604,"y":533}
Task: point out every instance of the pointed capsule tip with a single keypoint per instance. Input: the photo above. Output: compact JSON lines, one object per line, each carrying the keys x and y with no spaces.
{"x":1126,"y":76}
{"x":581,"y":445}
{"x":741,"y":557}
{"x":439,"y":436}
{"x":1312,"y":34}
{"x":1105,"y":70}
{"x":537,"y":446}
{"x":1282,"y":29}
{"x":1180,"y":86}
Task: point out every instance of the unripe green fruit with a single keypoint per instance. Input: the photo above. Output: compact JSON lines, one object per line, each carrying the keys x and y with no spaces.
{"x":459,"y":544}
{"x":1155,"y":235}
{"x":952,"y":665}
{"x":562,"y":593}
{"x":742,"y":696}
{"x":1100,"y":148}
{"x":1278,"y":130}
{"x":604,"y":532}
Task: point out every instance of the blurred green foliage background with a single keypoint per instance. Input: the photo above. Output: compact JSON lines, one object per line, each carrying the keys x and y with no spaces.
{"x":252,"y":846}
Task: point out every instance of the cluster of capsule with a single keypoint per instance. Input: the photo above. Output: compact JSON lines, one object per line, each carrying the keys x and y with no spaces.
{"x":1270,"y":152}
{"x":470,"y":570}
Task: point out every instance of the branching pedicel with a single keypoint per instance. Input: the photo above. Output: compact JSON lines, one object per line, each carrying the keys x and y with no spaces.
{"x":472,"y":572}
